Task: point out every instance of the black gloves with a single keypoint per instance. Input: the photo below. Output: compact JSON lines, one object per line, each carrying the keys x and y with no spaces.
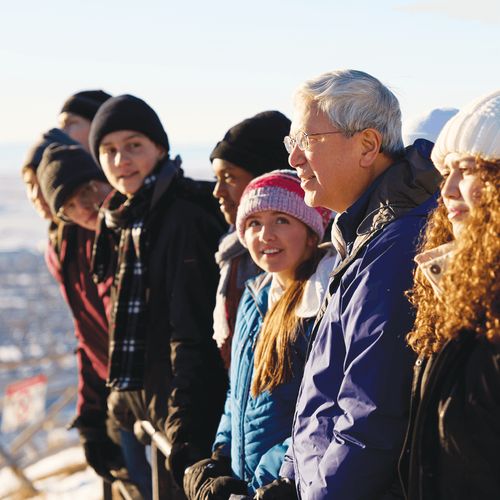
{"x":280,"y":489}
{"x":220,"y":488}
{"x":198,"y":473}
{"x":101,"y":453}
{"x":181,"y":457}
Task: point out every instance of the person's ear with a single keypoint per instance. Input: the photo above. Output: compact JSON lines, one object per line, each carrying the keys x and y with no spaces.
{"x":312,"y":239}
{"x":161,"y":152}
{"x":371,"y":144}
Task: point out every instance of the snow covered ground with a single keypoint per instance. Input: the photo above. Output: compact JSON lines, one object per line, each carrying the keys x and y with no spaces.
{"x":81,"y":484}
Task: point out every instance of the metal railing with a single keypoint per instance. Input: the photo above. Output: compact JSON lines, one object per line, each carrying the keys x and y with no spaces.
{"x":160,"y":451}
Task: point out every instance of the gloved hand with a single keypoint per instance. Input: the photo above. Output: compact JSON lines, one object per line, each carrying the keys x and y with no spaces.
{"x":101,"y":453}
{"x":280,"y":489}
{"x":181,"y":457}
{"x":195,"y":476}
{"x":221,"y":488}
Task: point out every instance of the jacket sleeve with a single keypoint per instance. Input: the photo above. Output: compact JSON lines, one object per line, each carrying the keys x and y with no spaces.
{"x":92,"y":391}
{"x":373,"y":399}
{"x":268,"y":468}
{"x":223,"y":436}
{"x":197,"y":391}
{"x":287,"y":468}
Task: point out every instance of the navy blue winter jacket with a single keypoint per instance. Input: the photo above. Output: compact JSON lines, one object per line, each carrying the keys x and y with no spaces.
{"x":352,"y":408}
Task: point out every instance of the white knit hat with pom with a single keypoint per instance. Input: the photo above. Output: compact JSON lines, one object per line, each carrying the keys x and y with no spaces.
{"x":474,"y":131}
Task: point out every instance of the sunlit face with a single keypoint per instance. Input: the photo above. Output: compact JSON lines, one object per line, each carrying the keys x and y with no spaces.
{"x":34,"y":194}
{"x":278,"y":243}
{"x":461,"y":188}
{"x":77,"y":127}
{"x":127,"y":158}
{"x":83,"y":205}
{"x":330,"y":170}
{"x":231,"y":181}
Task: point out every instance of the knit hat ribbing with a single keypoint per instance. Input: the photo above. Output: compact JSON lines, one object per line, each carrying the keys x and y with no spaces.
{"x":126,"y":112}
{"x":35,"y":153}
{"x":279,"y":191}
{"x":474,"y":131}
{"x":85,"y":103}
{"x":62,"y":170}
{"x":256,"y":144}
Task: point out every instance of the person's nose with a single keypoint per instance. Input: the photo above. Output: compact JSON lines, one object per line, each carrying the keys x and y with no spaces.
{"x":121,"y":158}
{"x":450,"y":187}
{"x":219,"y":189}
{"x":296,"y":157}
{"x":266,"y":233}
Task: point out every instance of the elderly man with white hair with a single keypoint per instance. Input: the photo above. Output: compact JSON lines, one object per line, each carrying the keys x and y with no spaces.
{"x":352,"y":409}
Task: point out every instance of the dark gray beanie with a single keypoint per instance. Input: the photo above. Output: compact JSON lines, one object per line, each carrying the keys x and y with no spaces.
{"x":256,"y":144}
{"x":85,"y":103}
{"x":126,"y":112}
{"x":35,"y":153}
{"x":62,"y":170}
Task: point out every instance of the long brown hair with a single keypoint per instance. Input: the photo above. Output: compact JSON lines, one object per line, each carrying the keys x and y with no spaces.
{"x":273,"y":360}
{"x":470,"y":287}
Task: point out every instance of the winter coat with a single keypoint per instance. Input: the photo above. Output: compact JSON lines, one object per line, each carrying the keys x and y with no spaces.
{"x":184,"y":382}
{"x":68,"y":257}
{"x":453,"y":439}
{"x":352,"y":407}
{"x":255,"y":431}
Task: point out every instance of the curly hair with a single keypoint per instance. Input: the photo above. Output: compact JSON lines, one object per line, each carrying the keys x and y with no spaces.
{"x":470,"y":287}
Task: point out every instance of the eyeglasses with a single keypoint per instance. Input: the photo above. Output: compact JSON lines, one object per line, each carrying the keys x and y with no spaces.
{"x":303,"y":140}
{"x":85,"y":197}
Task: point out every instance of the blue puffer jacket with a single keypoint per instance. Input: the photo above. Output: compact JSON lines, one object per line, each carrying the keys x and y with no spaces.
{"x":255,"y":432}
{"x":353,"y":404}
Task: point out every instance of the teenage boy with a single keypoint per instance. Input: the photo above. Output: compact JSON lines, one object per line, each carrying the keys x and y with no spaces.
{"x":162,"y":355}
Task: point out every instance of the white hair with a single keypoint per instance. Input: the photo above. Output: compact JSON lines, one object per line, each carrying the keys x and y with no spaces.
{"x":353,"y":101}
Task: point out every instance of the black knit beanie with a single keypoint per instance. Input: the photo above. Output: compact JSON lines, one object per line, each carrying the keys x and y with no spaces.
{"x":126,"y":112}
{"x":256,"y":144}
{"x":62,"y":170}
{"x":35,"y":153}
{"x":85,"y":103}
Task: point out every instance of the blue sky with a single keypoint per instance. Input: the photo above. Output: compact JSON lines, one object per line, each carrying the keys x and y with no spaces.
{"x":205,"y":65}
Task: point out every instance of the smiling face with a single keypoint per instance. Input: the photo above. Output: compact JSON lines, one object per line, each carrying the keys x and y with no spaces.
{"x":278,"y":243}
{"x":330,"y":171}
{"x":83,"y":205}
{"x":231,"y":181}
{"x":34,"y":194}
{"x":461,"y":188}
{"x":127,"y":158}
{"x":77,"y":127}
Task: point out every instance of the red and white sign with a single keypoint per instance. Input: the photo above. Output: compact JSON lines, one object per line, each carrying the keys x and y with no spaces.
{"x":24,"y":402}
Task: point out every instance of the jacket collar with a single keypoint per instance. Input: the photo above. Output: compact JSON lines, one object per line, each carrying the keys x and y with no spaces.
{"x":433,"y":264}
{"x":405,"y":185}
{"x":166,"y":172}
{"x":259,"y":290}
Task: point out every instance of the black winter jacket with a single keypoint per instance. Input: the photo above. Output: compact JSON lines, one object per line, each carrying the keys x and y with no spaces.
{"x":184,"y":382}
{"x":452,"y":448}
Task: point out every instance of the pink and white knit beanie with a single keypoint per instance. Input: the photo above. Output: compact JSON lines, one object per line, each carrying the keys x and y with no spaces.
{"x":279,"y":191}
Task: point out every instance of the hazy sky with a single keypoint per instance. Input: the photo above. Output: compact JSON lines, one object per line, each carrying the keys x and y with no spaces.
{"x":205,"y":65}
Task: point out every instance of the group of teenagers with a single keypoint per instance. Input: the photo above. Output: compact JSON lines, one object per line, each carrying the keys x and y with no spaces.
{"x":323,"y":322}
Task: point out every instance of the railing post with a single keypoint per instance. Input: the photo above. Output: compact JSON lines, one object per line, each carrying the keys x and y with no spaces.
{"x":107,"y":492}
{"x":154,"y":472}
